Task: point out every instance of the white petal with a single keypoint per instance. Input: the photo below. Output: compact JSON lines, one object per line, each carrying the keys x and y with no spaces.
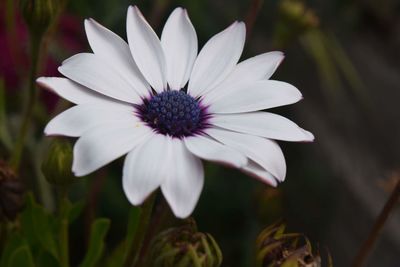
{"x":257,"y":68}
{"x":184,"y":180}
{"x":72,"y":91}
{"x":217,"y":59}
{"x":209,"y":149}
{"x":258,"y":172}
{"x":146,"y":49}
{"x":264,"y":152}
{"x":263,"y":124}
{"x":77,"y":120}
{"x":145,"y":168}
{"x":179,"y":42}
{"x":101,"y":145}
{"x":93,"y":72}
{"x":255,"y":96}
{"x":114,"y":50}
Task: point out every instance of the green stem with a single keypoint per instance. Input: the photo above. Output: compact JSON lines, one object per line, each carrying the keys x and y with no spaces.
{"x":63,"y":235}
{"x":36,"y":40}
{"x":3,"y":233}
{"x":368,"y":245}
{"x":144,"y":220}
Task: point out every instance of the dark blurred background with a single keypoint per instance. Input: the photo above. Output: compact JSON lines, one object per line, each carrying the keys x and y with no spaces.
{"x":344,"y":57}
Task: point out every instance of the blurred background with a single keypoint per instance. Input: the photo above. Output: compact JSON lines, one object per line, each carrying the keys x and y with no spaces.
{"x":343,"y":55}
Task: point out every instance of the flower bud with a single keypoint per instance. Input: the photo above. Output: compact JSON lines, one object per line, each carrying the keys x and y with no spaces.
{"x":11,"y":193}
{"x":185,"y":246}
{"x":277,"y":248}
{"x":297,"y":13}
{"x":38,"y":14}
{"x":295,"y":19}
{"x":56,"y":166}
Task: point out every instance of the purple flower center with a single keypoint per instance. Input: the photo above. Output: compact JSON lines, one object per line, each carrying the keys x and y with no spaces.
{"x":173,"y":113}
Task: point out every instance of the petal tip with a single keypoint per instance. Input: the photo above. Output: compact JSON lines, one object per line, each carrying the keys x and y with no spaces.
{"x":181,"y":215}
{"x":89,"y":22}
{"x":181,"y":9}
{"x":78,"y":173}
{"x":134,"y":201}
{"x":310,"y":136}
{"x":282,"y":58}
{"x":40,"y":81}
{"x":137,"y":10}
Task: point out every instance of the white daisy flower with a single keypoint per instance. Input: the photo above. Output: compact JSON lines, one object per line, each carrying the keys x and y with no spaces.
{"x":168,"y":108}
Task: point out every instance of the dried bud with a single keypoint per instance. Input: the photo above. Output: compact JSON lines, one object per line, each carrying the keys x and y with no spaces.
{"x":11,"y":193}
{"x":184,"y":246}
{"x":38,"y":14}
{"x":277,"y":248}
{"x":56,"y":166}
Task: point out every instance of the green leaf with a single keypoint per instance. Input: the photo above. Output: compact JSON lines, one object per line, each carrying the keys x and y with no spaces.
{"x":14,"y":242}
{"x":120,"y":253}
{"x":21,"y":257}
{"x":37,"y":226}
{"x":98,"y":232}
{"x":117,"y":257}
{"x":75,"y":210}
{"x":133,"y":224}
{"x":45,"y":259}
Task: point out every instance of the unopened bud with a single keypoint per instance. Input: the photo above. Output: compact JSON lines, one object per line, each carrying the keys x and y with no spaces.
{"x":184,"y":246}
{"x":297,"y":13}
{"x":11,"y":193}
{"x":56,"y":166}
{"x":295,"y":20}
{"x":38,"y":14}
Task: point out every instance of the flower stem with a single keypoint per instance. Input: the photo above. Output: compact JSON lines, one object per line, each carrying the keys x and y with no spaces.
{"x":36,"y":40}
{"x":2,"y":235}
{"x":144,"y":220}
{"x":64,"y":243}
{"x":368,"y":245}
{"x":63,"y":234}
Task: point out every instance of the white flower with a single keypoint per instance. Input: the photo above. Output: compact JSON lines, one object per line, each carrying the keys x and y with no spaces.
{"x":133,"y":99}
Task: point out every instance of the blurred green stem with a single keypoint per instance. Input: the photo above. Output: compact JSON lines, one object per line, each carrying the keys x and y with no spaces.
{"x":3,"y":233}
{"x":36,"y":40}
{"x":144,"y":220}
{"x":368,"y":245}
{"x":63,"y":235}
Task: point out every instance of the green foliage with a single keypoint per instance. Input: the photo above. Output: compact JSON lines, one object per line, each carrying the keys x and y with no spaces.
{"x":21,"y":257}
{"x":74,"y":210}
{"x":98,"y":232}
{"x":15,"y":241}
{"x":120,"y":253}
{"x":45,"y":259}
{"x":37,"y":242}
{"x":38,"y":227}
